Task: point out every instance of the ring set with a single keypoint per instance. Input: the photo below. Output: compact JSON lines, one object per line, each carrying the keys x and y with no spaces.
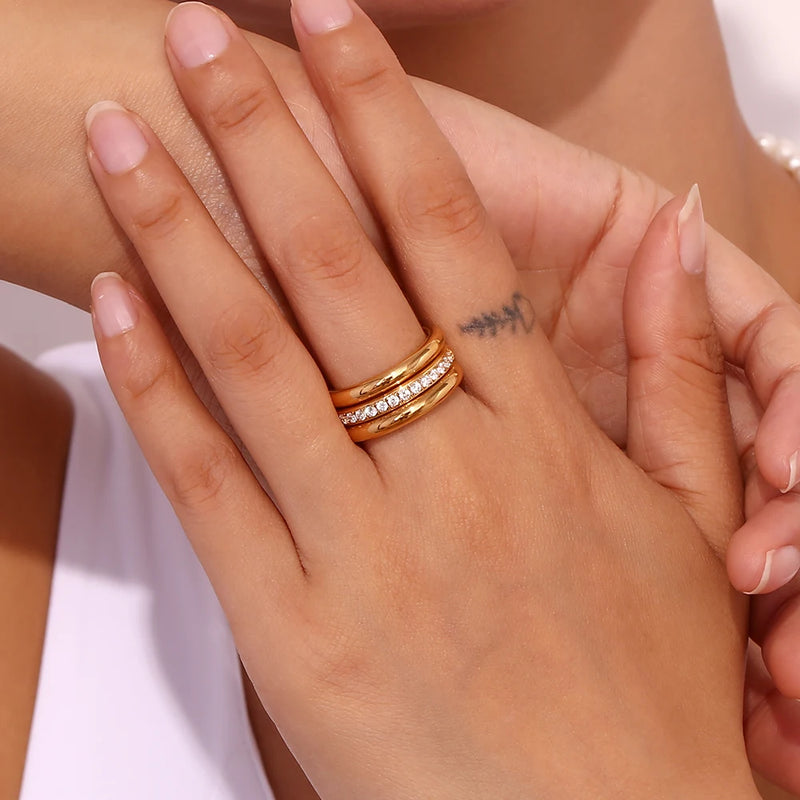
{"x":397,"y":397}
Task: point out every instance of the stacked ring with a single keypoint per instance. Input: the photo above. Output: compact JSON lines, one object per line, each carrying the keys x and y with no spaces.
{"x":402,"y":394}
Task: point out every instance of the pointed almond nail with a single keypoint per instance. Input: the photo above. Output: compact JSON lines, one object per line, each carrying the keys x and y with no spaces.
{"x":794,"y":477}
{"x":692,"y":233}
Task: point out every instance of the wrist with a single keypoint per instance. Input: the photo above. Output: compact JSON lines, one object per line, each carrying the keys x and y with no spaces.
{"x":58,"y":233}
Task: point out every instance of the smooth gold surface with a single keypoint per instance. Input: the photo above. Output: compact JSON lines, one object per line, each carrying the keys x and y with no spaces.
{"x":414,"y":409}
{"x":405,"y":370}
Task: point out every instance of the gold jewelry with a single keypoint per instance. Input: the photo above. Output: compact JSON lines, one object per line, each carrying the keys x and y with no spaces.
{"x":379,"y":384}
{"x":413,"y":410}
{"x":404,"y":393}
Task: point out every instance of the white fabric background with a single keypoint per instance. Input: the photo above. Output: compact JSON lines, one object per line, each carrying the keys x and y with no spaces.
{"x":761,"y":36}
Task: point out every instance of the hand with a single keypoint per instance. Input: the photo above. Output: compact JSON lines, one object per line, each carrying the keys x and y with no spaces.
{"x":579,"y":215}
{"x":593,"y":234}
{"x":525,"y":177}
{"x":436,"y":609}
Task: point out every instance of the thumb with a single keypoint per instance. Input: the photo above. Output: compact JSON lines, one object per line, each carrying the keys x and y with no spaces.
{"x":679,"y":426}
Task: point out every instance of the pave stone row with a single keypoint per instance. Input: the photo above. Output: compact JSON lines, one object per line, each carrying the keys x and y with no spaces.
{"x":401,"y":395}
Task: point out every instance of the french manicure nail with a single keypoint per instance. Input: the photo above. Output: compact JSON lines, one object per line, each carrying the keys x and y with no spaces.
{"x":794,"y":478}
{"x":692,"y":233}
{"x":195,"y":34}
{"x":116,"y":139}
{"x":112,"y":305}
{"x":780,"y":566}
{"x":322,"y":16}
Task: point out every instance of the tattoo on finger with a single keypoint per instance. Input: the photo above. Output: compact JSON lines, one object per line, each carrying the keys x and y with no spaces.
{"x":517,"y":316}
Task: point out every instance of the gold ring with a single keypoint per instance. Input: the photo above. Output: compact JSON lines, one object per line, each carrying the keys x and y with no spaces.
{"x":380,"y":384}
{"x":404,"y":393}
{"x":413,"y":410}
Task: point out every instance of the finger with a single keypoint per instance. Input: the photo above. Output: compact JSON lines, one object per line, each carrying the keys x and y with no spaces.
{"x":680,"y":430}
{"x":265,"y":379}
{"x":780,"y":647}
{"x":582,"y":242}
{"x":348,"y":304}
{"x":760,"y":555}
{"x":775,"y":453}
{"x":771,"y":727}
{"x":454,"y":265}
{"x":236,"y":531}
{"x":764,"y":554}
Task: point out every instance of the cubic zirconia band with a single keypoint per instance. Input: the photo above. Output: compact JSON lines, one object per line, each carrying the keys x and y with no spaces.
{"x":401,"y":395}
{"x":413,"y":410}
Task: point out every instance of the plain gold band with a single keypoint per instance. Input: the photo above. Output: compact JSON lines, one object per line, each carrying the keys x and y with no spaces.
{"x":383,"y":383}
{"x":413,"y":410}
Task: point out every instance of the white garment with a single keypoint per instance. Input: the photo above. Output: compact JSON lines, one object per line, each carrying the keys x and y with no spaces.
{"x":140,"y":694}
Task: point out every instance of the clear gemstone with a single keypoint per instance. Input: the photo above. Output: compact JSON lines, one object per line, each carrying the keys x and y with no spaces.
{"x":427,"y":380}
{"x":361,"y":415}
{"x":416,"y":387}
{"x":383,"y":406}
{"x":393,"y":400}
{"x":371,"y":411}
{"x":404,"y":394}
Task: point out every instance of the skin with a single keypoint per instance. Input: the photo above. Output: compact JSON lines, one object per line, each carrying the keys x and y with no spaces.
{"x":623,"y":48}
{"x":36,"y":423}
{"x":73,"y":236}
{"x":360,"y":692}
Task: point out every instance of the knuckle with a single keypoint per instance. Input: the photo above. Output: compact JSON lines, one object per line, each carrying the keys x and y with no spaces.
{"x":699,"y":352}
{"x":149,"y":374}
{"x":198,"y":475}
{"x":240,"y":109}
{"x":246,"y":340}
{"x":328,"y":254}
{"x":161,"y":217}
{"x":441,"y":207}
{"x":367,"y":77}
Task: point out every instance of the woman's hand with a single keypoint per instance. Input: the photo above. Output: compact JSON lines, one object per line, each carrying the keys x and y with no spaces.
{"x":431,"y":615}
{"x":571,"y":220}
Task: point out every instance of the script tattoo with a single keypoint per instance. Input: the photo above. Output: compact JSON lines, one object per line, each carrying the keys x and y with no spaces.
{"x":518,"y":315}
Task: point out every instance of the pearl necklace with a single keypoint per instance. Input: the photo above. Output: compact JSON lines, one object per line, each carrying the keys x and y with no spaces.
{"x":783,"y":152}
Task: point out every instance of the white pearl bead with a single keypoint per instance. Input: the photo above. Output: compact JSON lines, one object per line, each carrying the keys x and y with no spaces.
{"x":782,"y":151}
{"x":768,"y":143}
{"x":786,"y":151}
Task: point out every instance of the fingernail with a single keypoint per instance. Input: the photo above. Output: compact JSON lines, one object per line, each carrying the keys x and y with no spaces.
{"x":780,"y":567}
{"x":692,"y":233}
{"x":112,"y":305}
{"x":116,"y":139}
{"x":195,"y":34}
{"x":794,"y":478}
{"x":322,"y":16}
